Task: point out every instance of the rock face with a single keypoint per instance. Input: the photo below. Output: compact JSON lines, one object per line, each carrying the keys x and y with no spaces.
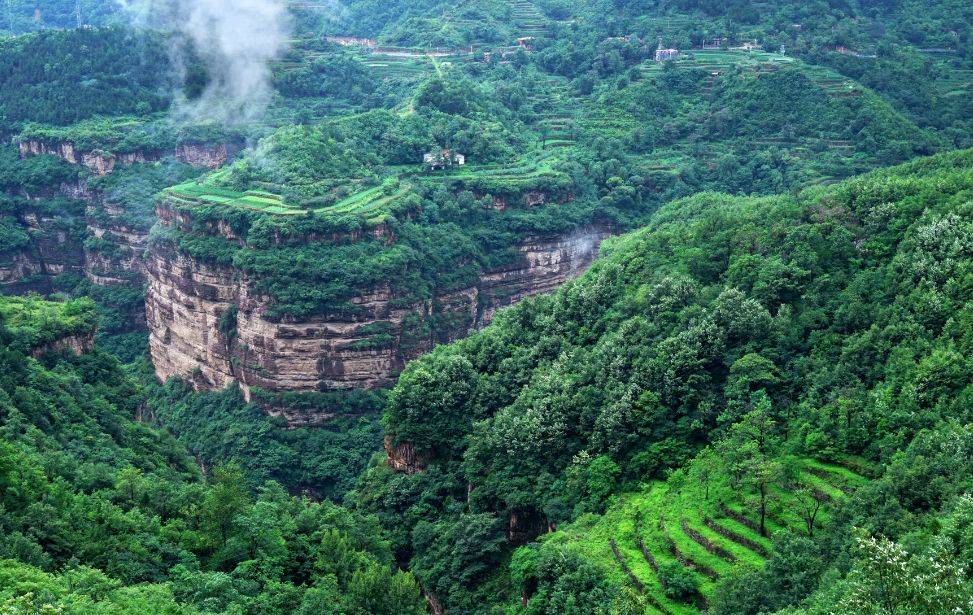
{"x":54,"y":249}
{"x":204,"y":155}
{"x":102,"y":163}
{"x":546,"y":264}
{"x":98,"y":162}
{"x":74,"y":344}
{"x":403,"y":458}
{"x":119,"y":258}
{"x":103,"y":241}
{"x":63,"y":150}
{"x":208,"y":326}
{"x":95,"y":241}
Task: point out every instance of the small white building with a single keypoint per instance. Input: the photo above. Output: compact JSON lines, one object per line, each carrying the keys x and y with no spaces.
{"x":661,"y":55}
{"x":441,"y":159}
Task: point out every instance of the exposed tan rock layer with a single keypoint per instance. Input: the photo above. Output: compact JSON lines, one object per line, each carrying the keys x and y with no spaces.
{"x":101,"y":162}
{"x":208,"y":326}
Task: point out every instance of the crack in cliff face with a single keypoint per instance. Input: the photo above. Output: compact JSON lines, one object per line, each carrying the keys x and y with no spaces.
{"x":186,"y":300}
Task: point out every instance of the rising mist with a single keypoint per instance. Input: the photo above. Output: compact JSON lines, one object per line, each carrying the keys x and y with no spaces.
{"x":237,"y":42}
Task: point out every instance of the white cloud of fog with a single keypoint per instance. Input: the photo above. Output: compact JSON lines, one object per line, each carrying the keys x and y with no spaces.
{"x":236,"y":39}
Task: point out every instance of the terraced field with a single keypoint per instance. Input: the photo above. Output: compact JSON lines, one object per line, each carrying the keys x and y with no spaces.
{"x":662,"y":528}
{"x":832,"y":83}
{"x":612,"y":121}
{"x":557,"y":109}
{"x":528,"y":20}
{"x":193,"y":192}
{"x":372,"y":203}
{"x":399,"y":67}
{"x":387,"y":62}
{"x":959,"y":82}
{"x":720,"y":60}
{"x":375,"y":203}
{"x":515,"y":176}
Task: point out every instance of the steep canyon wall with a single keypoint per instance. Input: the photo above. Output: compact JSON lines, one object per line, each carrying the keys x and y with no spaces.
{"x":208,"y":326}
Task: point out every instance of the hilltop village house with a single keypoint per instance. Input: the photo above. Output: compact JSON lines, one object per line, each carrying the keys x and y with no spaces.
{"x":440,"y":159}
{"x":661,"y":55}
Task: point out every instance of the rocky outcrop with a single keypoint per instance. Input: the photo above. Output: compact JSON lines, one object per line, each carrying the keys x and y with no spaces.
{"x":54,"y":249}
{"x":73,"y":344}
{"x":57,"y":242}
{"x":119,"y":256}
{"x":98,"y":242}
{"x":403,"y":457}
{"x":205,"y":155}
{"x":66,"y":240}
{"x":106,"y":243}
{"x":100,"y":162}
{"x":18,"y":270}
{"x":103,"y":163}
{"x":209,"y":326}
{"x":63,"y":150}
{"x":524,"y":526}
{"x":546,"y":264}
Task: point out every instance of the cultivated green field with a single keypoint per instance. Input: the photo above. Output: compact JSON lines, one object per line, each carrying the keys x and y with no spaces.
{"x":706,"y":533}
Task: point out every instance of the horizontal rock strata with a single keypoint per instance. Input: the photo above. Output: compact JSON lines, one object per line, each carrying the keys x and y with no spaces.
{"x":102,"y":162}
{"x":209,"y":327}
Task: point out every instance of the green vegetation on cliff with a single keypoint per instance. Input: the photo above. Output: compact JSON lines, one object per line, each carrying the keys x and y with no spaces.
{"x":60,"y":77}
{"x":757,"y":403}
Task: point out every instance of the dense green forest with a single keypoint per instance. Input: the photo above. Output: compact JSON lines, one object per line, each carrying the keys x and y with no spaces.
{"x":721,"y":349}
{"x":63,"y":76}
{"x":755,"y":402}
{"x":102,"y":514}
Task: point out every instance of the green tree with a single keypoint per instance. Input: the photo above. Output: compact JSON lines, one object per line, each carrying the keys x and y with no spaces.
{"x":226,"y":499}
{"x":751,"y":450}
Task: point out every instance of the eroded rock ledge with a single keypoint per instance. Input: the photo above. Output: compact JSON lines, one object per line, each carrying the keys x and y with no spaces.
{"x":99,"y":162}
{"x":208,"y":326}
{"x":73,"y":344}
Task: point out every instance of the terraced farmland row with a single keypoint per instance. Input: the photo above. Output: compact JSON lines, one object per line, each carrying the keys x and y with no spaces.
{"x":371,"y":203}
{"x":557,"y":109}
{"x":528,"y":20}
{"x":959,"y":83}
{"x":644,"y":536}
{"x":374,"y":203}
{"x":720,"y":61}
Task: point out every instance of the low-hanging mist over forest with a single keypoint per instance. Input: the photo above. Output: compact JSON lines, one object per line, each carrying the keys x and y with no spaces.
{"x":236,"y":42}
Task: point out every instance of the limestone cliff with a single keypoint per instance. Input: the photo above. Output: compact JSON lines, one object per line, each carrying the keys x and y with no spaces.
{"x":54,"y":248}
{"x":119,"y":255}
{"x":403,"y":457}
{"x":100,"y":162}
{"x":86,"y":231}
{"x":208,"y":325}
{"x":87,"y":236}
{"x":73,"y":344}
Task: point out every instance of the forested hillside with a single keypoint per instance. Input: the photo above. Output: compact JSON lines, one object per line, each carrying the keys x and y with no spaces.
{"x":101,"y":514}
{"x":21,"y":16}
{"x":295,"y":318}
{"x":760,"y":355}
